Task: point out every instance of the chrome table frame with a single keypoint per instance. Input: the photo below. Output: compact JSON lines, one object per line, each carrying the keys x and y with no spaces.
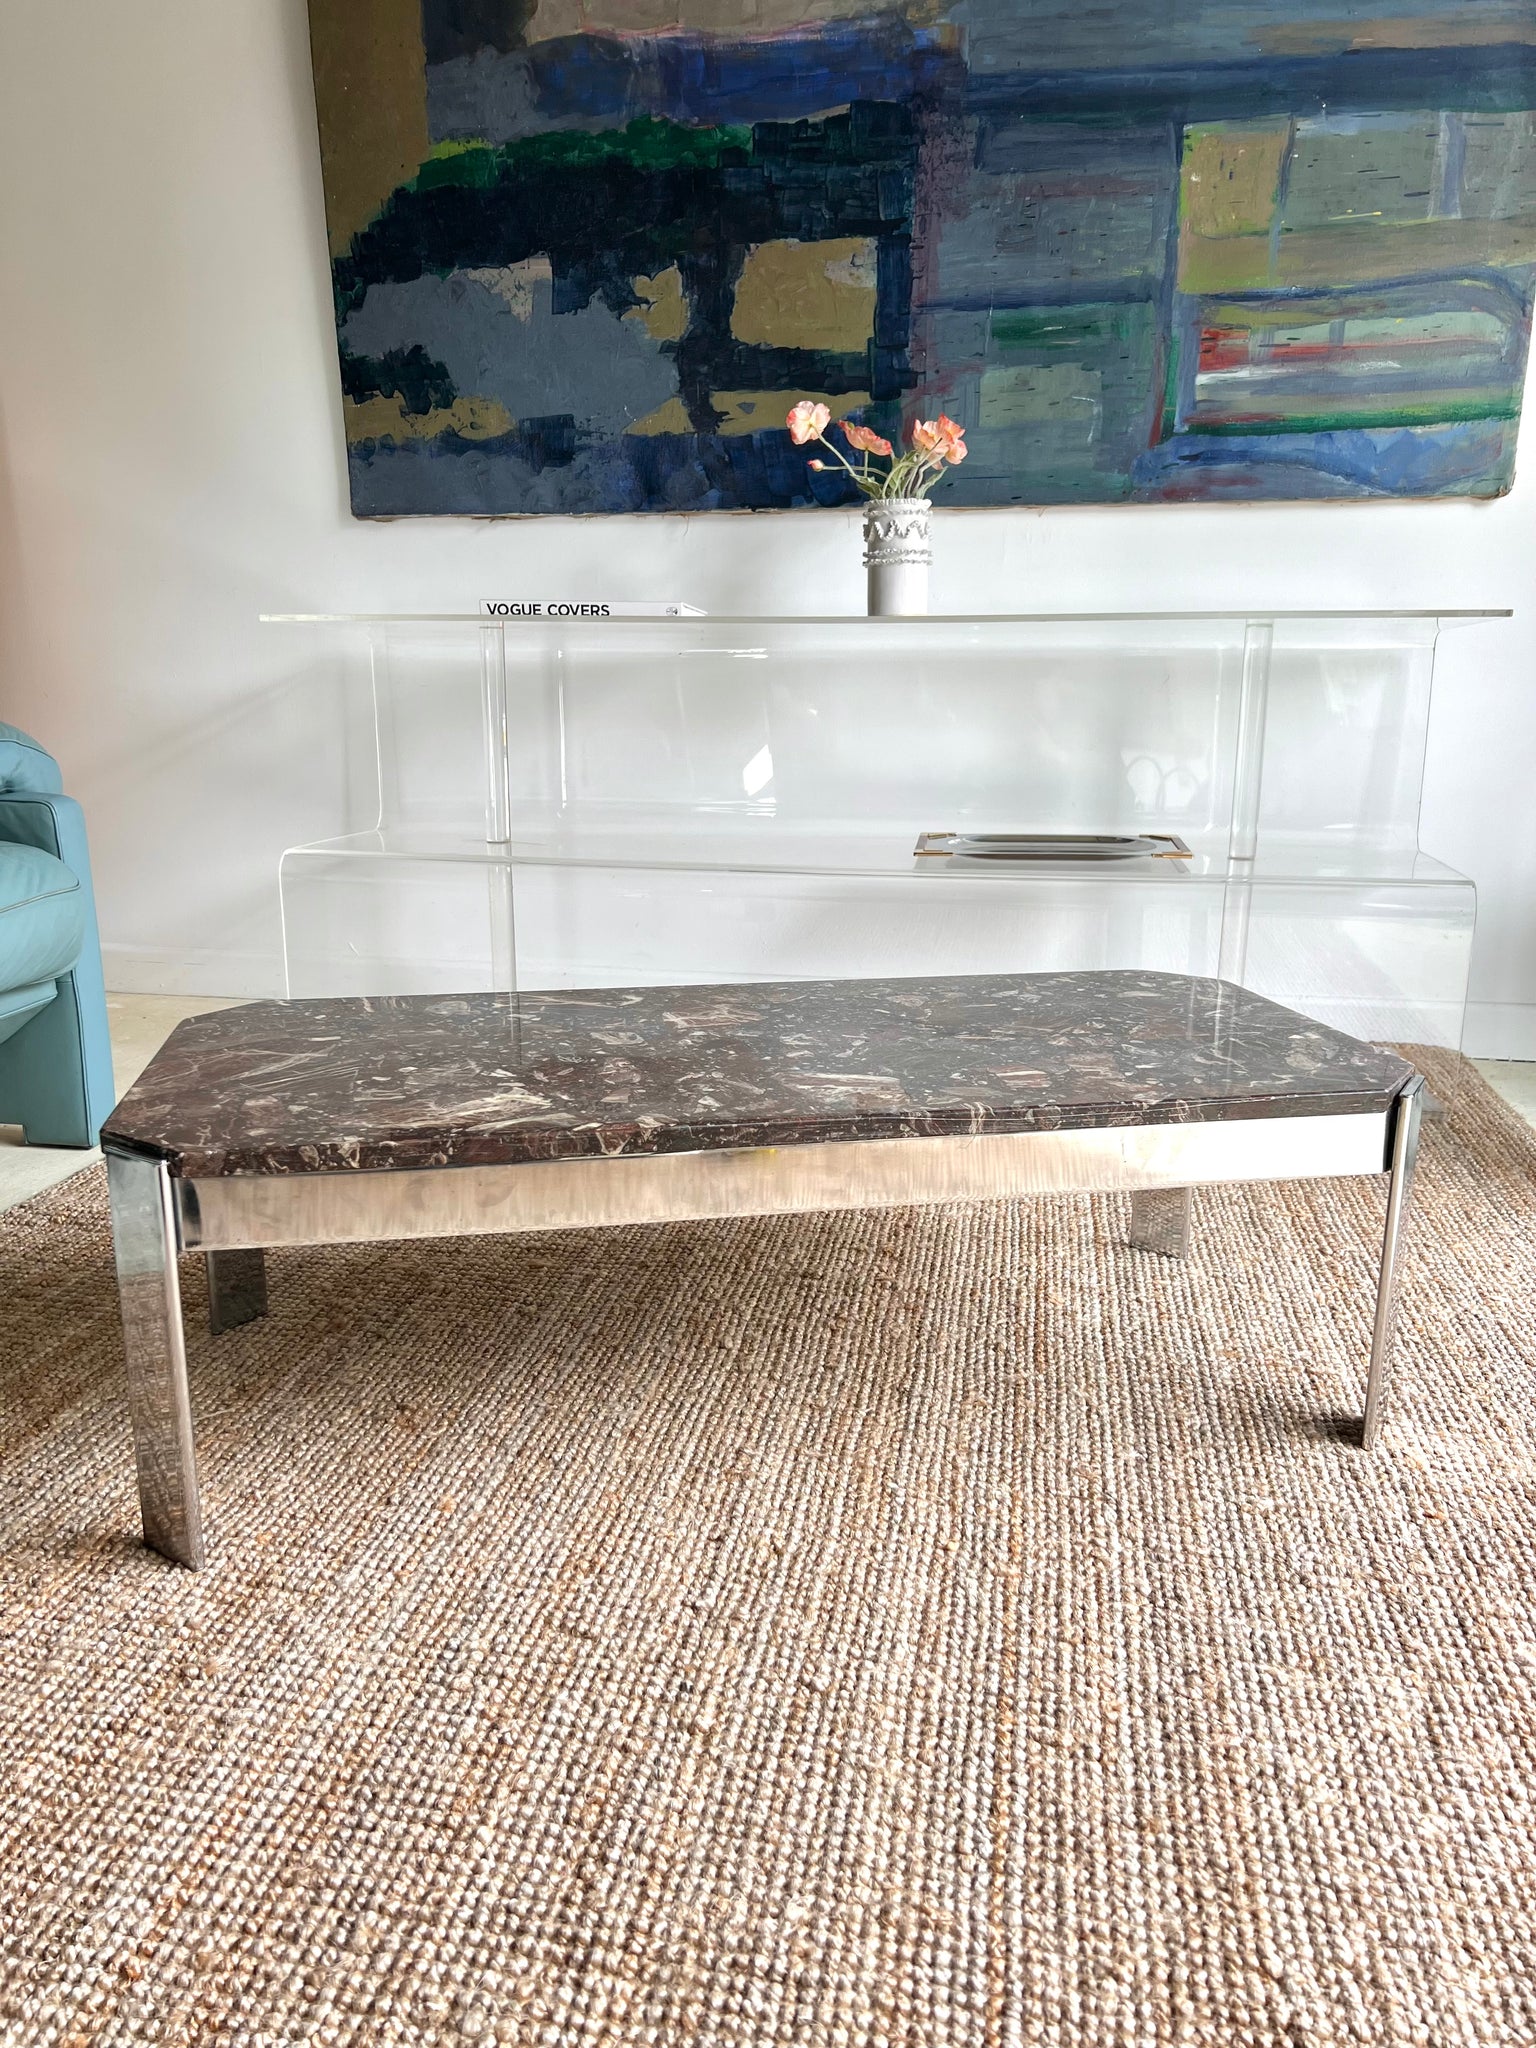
{"x":157,"y":1215}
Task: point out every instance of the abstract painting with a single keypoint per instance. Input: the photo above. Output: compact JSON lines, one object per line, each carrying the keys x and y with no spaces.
{"x":587,"y":253}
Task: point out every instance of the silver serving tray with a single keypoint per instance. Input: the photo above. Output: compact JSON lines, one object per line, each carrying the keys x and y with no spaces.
{"x":1049,"y":847}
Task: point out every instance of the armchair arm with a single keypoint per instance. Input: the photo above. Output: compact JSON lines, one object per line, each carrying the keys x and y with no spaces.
{"x":56,"y":1072}
{"x":25,"y":767}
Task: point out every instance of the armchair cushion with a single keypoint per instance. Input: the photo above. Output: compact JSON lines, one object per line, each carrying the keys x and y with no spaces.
{"x":42,"y":917}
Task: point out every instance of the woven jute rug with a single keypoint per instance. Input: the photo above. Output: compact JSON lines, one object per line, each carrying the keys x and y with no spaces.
{"x":921,"y":1627}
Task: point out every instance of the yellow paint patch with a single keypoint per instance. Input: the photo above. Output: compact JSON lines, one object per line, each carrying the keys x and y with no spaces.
{"x":668,"y":418}
{"x":745,"y":412}
{"x":807,"y":295}
{"x":664,"y":315}
{"x":749,"y":412}
{"x":371,"y":95}
{"x":382,"y":418}
{"x":1354,"y":252}
{"x":1425,"y":32}
{"x":515,"y":283}
{"x":1231,"y":178}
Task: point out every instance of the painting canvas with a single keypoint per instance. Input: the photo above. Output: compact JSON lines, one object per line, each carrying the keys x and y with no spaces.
{"x":587,"y":253}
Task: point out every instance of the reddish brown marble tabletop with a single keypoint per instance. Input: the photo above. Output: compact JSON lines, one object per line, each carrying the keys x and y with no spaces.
{"x":425,"y":1081}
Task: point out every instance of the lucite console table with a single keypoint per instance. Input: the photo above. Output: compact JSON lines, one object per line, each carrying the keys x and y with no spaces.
{"x":569,"y":803}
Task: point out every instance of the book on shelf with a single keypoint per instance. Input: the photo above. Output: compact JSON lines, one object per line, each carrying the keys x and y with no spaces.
{"x":579,"y":608}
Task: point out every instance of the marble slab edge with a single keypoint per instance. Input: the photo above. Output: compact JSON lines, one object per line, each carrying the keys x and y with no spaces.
{"x":427,"y":1149}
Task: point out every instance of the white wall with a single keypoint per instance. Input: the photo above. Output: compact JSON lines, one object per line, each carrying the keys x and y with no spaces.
{"x":171,"y":465}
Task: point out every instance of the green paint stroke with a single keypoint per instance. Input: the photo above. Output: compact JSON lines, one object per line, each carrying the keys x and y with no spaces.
{"x":1078,"y":329}
{"x":644,"y":145}
{"x":1422,"y":413}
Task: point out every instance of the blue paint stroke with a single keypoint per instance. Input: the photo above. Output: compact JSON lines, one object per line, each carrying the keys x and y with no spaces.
{"x":1019,"y":35}
{"x":550,"y":467}
{"x":1487,"y":78}
{"x":578,"y":80}
{"x":1466,"y":458}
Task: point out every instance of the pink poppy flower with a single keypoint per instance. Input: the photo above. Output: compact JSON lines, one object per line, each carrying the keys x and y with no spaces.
{"x":942,"y":439}
{"x":954,"y":438}
{"x":808,"y":421}
{"x":863,"y":437}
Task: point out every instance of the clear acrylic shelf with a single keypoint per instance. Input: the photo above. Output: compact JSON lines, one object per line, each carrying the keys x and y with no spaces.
{"x":924,"y":623}
{"x":585,"y":803}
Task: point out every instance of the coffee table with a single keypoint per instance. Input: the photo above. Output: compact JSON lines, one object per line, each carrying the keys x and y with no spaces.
{"x":335,"y":1121}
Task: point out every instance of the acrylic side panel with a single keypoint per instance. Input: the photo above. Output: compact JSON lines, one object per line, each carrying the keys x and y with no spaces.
{"x":1345,"y":741}
{"x":586,"y":257}
{"x":1386,"y":960}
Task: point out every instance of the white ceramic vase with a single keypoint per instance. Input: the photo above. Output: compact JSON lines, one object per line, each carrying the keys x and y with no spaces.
{"x":897,"y":554}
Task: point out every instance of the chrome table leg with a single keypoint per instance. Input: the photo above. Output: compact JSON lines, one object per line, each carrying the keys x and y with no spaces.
{"x":145,"y":1242}
{"x":237,"y":1288}
{"x":1405,"y":1146}
{"x":1160,"y":1221}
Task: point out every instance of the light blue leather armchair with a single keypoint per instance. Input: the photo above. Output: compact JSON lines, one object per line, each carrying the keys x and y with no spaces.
{"x":55,"y":1056}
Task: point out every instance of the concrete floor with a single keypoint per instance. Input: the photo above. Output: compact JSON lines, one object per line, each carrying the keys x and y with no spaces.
{"x":141,"y":1025}
{"x":1515,"y":1080}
